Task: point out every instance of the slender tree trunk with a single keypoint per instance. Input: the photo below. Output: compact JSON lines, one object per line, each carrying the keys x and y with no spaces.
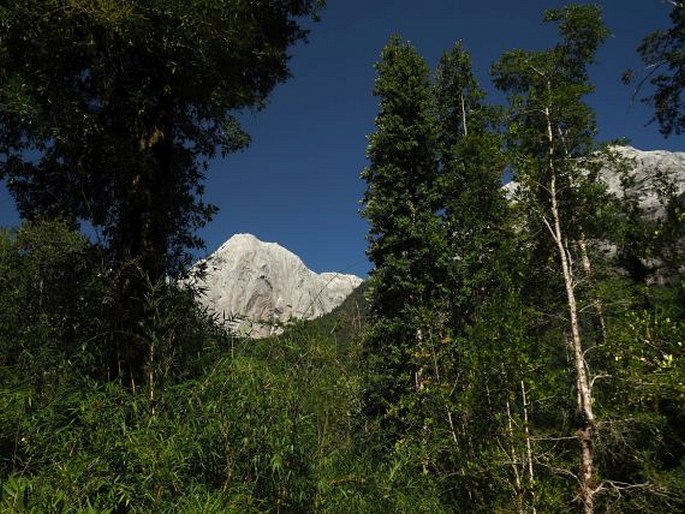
{"x":463,"y":115}
{"x":436,"y":370}
{"x":419,"y":385}
{"x":517,"y":476}
{"x":453,"y":431}
{"x":529,"y":449}
{"x":587,"y":267}
{"x":151,"y":375}
{"x":585,"y":257}
{"x":586,"y":431}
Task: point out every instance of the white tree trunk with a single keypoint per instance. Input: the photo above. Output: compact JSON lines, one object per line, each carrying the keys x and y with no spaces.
{"x":463,"y":115}
{"x":518,"y":485}
{"x":529,"y":450}
{"x":599,"y":308}
{"x":586,"y":431}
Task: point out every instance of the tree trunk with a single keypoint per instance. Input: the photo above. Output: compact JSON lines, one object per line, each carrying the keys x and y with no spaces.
{"x":529,"y":449}
{"x":463,"y":115}
{"x":586,"y":431}
{"x":141,"y":241}
{"x":518,"y":485}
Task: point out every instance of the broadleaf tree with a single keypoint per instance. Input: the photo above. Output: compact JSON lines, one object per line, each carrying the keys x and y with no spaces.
{"x":552,"y":134}
{"x":110,"y":111}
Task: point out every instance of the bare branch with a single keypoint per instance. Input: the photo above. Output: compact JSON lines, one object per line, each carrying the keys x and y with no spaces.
{"x":597,"y":377}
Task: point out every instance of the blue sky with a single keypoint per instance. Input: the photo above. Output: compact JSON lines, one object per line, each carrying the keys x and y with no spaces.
{"x":298,"y":182}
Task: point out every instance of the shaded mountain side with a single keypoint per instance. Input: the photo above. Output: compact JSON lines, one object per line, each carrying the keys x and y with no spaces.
{"x":349,"y":319}
{"x":343,"y":325}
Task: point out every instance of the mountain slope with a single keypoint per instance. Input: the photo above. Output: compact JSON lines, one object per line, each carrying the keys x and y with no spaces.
{"x":257,"y":286}
{"x":649,"y":169}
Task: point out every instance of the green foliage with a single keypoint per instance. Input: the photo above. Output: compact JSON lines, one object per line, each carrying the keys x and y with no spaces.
{"x":405,"y":240}
{"x":48,"y":298}
{"x":59,"y":311}
{"x":346,"y":322}
{"x":272,"y":425}
{"x":663,"y":55}
{"x":111,"y":110}
{"x":236,"y":438}
{"x":641,"y":392}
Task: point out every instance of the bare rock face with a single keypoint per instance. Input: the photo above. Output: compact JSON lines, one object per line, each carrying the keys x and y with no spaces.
{"x":652,"y":174}
{"x":649,"y":170}
{"x":257,"y":287}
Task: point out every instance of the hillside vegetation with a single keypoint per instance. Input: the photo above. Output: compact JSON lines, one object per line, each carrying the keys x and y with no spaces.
{"x":519,"y":354}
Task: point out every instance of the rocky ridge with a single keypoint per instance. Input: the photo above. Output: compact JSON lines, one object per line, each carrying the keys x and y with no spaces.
{"x":647,"y":169}
{"x":256,"y":286}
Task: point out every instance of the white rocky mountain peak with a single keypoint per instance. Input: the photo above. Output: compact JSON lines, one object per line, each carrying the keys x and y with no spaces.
{"x":257,"y":286}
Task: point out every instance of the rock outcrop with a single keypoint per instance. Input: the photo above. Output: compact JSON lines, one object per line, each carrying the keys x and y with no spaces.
{"x":256,"y":287}
{"x":648,"y":169}
{"x":652,"y":174}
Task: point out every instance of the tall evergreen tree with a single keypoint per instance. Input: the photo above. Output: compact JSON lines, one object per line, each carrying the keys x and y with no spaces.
{"x":475,"y":368}
{"x":475,"y":211}
{"x":404,"y":238}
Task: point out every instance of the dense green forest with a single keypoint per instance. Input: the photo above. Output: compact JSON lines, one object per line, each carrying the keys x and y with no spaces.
{"x":511,"y":351}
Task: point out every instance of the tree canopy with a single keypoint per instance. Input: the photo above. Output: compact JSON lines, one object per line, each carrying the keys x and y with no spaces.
{"x":110,"y":109}
{"x":663,"y":53}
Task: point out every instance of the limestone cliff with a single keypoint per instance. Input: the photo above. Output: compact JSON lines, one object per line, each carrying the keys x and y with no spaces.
{"x":648,"y":169}
{"x":257,"y":286}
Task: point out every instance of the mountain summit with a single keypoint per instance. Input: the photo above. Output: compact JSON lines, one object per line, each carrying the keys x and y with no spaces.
{"x":257,"y":286}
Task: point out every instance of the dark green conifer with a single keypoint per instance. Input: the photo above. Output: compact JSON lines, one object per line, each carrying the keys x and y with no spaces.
{"x":401,"y":205}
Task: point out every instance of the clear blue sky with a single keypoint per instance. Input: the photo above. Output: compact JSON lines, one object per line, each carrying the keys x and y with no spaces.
{"x":298,"y":183}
